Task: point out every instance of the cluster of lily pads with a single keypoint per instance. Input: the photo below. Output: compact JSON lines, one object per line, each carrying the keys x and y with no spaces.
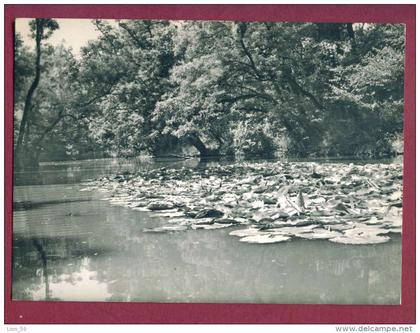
{"x":269,"y":202}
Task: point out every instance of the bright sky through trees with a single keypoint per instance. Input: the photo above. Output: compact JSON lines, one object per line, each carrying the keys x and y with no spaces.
{"x":73,"y":33}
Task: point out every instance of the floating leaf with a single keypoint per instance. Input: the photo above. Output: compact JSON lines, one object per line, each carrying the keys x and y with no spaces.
{"x":209,"y":213}
{"x":160,"y":205}
{"x":245,"y":232}
{"x":264,"y":239}
{"x":269,"y":200}
{"x":319,"y":234}
{"x":210,"y":226}
{"x":169,"y":213}
{"x":360,"y":240}
{"x":226,"y":221}
{"x":361,"y":202}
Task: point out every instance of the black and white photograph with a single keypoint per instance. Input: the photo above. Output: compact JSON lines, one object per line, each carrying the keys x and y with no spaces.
{"x":194,"y":161}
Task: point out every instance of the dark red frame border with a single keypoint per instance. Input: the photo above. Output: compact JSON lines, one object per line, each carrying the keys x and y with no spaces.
{"x":28,"y":312}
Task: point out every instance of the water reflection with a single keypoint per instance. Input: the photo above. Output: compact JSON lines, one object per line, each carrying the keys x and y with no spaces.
{"x":116,"y":261}
{"x":70,"y":172}
{"x":80,"y":285}
{"x":43,"y":258}
{"x":74,"y":246}
{"x":60,"y":271}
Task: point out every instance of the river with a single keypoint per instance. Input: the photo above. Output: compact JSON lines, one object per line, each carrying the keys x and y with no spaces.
{"x":70,"y":245}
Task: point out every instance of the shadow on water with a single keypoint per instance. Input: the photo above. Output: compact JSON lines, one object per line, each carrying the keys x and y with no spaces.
{"x":27,"y":205}
{"x":43,"y":257}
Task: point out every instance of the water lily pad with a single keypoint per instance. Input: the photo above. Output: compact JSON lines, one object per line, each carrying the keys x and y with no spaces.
{"x":210,"y":226}
{"x":260,"y":189}
{"x":245,"y":232}
{"x":257,"y":204}
{"x":364,"y":230}
{"x":269,"y":200}
{"x":338,"y":227}
{"x":292,"y":231}
{"x":140,"y":209}
{"x":169,"y":213}
{"x":318,"y":200}
{"x":265,"y":239}
{"x":374,"y":221}
{"x":319,"y":233}
{"x":139,"y":203}
{"x":209,"y":213}
{"x":351,"y":200}
{"x":395,"y":230}
{"x":160,"y":205}
{"x":360,"y":240}
{"x":226,"y":221}
{"x":363,"y":234}
{"x":204,"y":220}
{"x":395,"y":195}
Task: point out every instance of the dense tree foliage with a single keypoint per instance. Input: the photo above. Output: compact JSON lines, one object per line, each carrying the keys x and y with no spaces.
{"x":56,"y":127}
{"x":250,"y":88}
{"x":127,"y":71}
{"x":253,"y":84}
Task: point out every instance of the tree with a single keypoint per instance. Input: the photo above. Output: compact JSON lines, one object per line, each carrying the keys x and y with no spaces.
{"x":366,"y":96}
{"x":232,"y":73}
{"x":41,"y":29}
{"x":125,"y":71}
{"x":315,"y":85}
{"x":252,"y":88}
{"x":59,"y":109}
{"x":23,"y":72}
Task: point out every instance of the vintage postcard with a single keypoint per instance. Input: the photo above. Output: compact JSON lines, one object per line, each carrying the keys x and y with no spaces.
{"x":208,"y":161}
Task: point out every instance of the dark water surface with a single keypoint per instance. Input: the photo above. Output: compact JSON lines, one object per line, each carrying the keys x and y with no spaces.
{"x":71,"y":245}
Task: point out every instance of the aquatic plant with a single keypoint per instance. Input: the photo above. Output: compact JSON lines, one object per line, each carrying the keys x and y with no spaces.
{"x":276,"y":201}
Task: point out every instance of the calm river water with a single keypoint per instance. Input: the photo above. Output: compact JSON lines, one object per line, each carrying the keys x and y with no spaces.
{"x":72,"y":246}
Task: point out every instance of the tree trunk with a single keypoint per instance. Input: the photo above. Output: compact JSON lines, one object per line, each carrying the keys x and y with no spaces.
{"x":28,"y":101}
{"x":194,"y":140}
